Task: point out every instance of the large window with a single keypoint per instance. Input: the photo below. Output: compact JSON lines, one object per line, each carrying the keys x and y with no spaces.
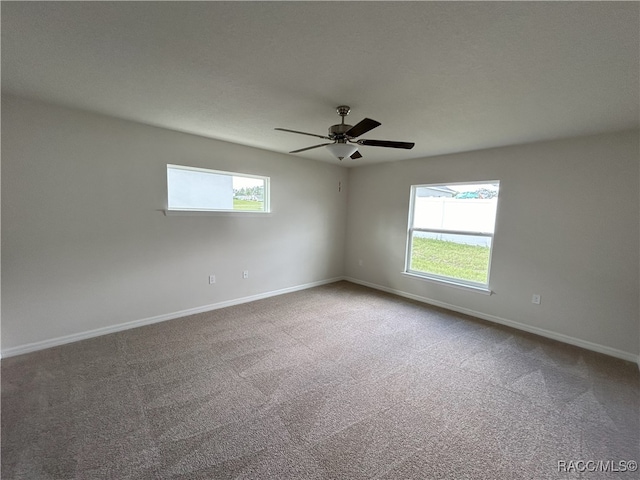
{"x":451,"y":232}
{"x":199,"y":189}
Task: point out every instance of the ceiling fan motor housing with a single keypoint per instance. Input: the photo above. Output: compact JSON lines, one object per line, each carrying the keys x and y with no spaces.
{"x":337,"y":132}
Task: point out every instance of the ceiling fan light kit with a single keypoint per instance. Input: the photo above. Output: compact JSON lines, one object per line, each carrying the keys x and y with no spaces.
{"x":341,"y":150}
{"x":343,"y":136}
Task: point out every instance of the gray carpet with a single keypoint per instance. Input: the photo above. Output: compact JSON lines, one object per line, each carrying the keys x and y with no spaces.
{"x":334,"y":382}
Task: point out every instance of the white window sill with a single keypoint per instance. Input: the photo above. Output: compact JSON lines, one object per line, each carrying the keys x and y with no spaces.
{"x":215,"y":213}
{"x":451,"y":283}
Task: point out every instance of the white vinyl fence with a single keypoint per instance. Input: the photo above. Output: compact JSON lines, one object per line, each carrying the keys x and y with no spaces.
{"x":472,"y":215}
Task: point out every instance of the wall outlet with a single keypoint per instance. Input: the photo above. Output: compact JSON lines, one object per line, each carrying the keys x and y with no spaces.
{"x":212,"y":279}
{"x":245,"y":274}
{"x":359,"y":263}
{"x":536,"y":299}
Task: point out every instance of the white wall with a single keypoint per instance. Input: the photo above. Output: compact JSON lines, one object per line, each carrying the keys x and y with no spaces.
{"x":86,"y":246}
{"x":567,"y":228}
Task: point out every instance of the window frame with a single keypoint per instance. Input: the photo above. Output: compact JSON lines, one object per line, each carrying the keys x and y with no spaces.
{"x":442,"y":279}
{"x":196,"y":211}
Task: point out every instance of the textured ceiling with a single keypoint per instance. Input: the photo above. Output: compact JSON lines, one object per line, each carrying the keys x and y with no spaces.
{"x":449,"y":76}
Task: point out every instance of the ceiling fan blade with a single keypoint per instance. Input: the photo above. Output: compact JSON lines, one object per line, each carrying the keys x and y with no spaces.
{"x":362,"y":127}
{"x":356,"y":155}
{"x":386,"y":143}
{"x":309,"y":148}
{"x":302,"y":133}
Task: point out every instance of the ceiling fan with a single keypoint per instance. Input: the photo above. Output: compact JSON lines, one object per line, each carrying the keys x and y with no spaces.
{"x":343,"y":135}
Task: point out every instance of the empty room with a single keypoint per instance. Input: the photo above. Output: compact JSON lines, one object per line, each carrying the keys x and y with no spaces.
{"x":320,"y":240}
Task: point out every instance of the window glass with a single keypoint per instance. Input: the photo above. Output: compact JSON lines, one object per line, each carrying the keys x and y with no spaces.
{"x":198,"y":189}
{"x":451,"y":231}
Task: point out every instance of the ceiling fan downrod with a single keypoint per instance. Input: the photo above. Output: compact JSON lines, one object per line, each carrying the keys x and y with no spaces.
{"x":337,"y":132}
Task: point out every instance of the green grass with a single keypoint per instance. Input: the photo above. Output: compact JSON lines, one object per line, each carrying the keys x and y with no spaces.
{"x":247,"y":205}
{"x":450,"y":259}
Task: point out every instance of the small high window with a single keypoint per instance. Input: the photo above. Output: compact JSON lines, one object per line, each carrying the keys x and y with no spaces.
{"x":199,"y":189}
{"x":450,"y":233}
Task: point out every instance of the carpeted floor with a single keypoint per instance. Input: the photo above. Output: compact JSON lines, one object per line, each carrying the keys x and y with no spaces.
{"x":335,"y":382}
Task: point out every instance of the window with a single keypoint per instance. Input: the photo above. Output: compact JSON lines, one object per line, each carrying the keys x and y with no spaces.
{"x":451,"y":232}
{"x":199,"y":189}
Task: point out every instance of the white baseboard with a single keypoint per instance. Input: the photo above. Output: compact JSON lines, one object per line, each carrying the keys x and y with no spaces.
{"x":510,"y":323}
{"x":54,"y":342}
{"x":76,"y":337}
